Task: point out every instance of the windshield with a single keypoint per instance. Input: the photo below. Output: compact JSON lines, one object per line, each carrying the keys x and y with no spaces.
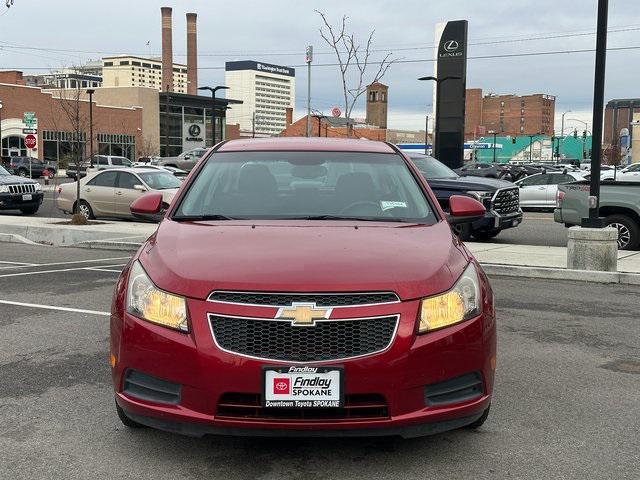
{"x":431,"y":168}
{"x":159,"y":180}
{"x":3,"y":171}
{"x":306,"y":185}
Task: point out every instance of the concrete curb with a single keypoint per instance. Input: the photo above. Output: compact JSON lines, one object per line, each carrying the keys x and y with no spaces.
{"x":589,"y":276}
{"x":13,"y":238}
{"x":108,"y":245}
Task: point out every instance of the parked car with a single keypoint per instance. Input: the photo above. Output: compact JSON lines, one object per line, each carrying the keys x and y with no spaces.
{"x":619,"y":205}
{"x":539,"y":190}
{"x":25,"y":166}
{"x":479,"y":169}
{"x":304,"y":286}
{"x":97,"y":163}
{"x":627,"y":174}
{"x":185,"y":161}
{"x":499,"y":197}
{"x":181,"y":174}
{"x":19,"y":193}
{"x":109,"y":193}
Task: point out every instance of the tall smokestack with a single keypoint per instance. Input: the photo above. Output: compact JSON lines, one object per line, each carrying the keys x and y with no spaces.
{"x":167,"y":50}
{"x":192,"y":54}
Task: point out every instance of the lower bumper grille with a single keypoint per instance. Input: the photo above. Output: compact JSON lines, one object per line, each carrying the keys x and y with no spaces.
{"x":455,"y":390}
{"x":326,"y":340}
{"x":248,"y":405}
{"x":151,"y":389}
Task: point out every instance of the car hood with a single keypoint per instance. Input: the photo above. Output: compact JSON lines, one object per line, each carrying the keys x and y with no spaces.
{"x":14,"y":179}
{"x":471,"y":183}
{"x":195,"y":258}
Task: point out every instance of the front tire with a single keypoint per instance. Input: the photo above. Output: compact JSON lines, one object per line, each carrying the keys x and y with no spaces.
{"x":462,"y":231}
{"x":30,"y":210}
{"x":85,"y":210}
{"x":480,"y":421}
{"x":484,"y":236}
{"x":126,"y":421}
{"x":51,"y":174}
{"x":628,"y":231}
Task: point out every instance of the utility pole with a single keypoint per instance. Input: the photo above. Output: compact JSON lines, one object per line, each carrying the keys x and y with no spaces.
{"x":593,"y":220}
{"x":531,"y":148}
{"x":426,"y":136}
{"x":309,"y":59}
{"x":495,"y":136}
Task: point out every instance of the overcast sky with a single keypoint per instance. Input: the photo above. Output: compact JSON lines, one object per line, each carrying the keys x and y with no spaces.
{"x":277,"y":31}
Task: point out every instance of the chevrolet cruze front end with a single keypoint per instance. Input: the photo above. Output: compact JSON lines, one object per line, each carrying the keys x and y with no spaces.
{"x":304,"y":287}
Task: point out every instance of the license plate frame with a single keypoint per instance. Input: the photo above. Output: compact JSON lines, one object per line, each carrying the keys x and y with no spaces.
{"x":335,"y":375}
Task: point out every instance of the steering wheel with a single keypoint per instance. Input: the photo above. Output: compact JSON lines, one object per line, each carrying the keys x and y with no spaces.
{"x":360,"y":203}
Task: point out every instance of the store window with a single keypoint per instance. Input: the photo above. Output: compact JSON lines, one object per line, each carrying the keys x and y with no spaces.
{"x":117,"y":144}
{"x":63,"y":147}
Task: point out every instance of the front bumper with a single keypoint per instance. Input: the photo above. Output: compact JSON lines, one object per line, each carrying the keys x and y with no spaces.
{"x":11,"y":201}
{"x":495,"y":221}
{"x":399,"y":375}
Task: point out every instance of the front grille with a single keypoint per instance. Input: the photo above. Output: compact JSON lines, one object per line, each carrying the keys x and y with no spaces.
{"x":23,"y":188}
{"x":320,"y":299}
{"x":506,"y":201}
{"x":248,"y":405}
{"x":455,"y":390}
{"x":326,"y":340}
{"x":151,"y":389}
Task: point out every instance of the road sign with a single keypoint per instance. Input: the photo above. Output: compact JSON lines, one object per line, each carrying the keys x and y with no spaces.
{"x":335,"y":111}
{"x":27,"y":131}
{"x":30,"y":141}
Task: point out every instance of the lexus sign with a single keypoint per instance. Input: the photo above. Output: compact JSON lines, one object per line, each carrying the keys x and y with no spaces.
{"x":193,"y":134}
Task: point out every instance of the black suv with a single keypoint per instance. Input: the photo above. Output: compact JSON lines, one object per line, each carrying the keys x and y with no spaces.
{"x":23,"y":165}
{"x":501,"y":198}
{"x":18,"y":193}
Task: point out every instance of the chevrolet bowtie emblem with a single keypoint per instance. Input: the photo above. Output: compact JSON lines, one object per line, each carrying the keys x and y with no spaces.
{"x":303,"y":314}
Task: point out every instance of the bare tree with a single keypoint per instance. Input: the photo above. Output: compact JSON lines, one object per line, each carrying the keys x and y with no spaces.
{"x":349,"y":53}
{"x":74,"y":110}
{"x":149,"y":148}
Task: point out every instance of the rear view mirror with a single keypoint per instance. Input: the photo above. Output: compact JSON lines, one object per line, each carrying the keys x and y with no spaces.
{"x":464,"y":210}
{"x":187,"y":156}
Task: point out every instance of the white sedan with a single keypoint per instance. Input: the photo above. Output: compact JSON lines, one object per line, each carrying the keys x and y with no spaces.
{"x":627,"y":174}
{"x":539,"y":190}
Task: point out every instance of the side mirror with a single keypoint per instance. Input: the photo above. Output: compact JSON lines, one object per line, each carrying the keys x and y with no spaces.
{"x":140,"y":188}
{"x":187,"y":156}
{"x":148,"y":204}
{"x":464,"y":210}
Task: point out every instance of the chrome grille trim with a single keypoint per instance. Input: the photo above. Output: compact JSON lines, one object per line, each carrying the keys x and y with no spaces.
{"x":289,"y":361}
{"x":22,"y":188}
{"x":321,"y":299}
{"x":506,"y":201}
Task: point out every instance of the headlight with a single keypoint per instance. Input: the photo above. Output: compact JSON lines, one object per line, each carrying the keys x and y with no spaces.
{"x":481,"y":195}
{"x":460,"y":303}
{"x":146,"y":301}
{"x":4,"y":188}
{"x":38,"y":187}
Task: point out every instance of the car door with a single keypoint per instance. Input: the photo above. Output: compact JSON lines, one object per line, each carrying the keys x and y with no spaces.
{"x":534,"y":190}
{"x":556,"y":179}
{"x":126,"y":192}
{"x":99,"y":191}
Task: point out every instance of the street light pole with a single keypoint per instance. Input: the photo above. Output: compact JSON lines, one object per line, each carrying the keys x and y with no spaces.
{"x":309,"y":59}
{"x":213,"y":91}
{"x":426,"y":135}
{"x":531,"y":148}
{"x":593,"y":220}
{"x":0,"y":131}
{"x":495,"y":136}
{"x":90,"y":92}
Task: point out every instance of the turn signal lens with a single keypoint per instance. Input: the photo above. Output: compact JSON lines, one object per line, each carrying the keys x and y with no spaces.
{"x":460,"y":303}
{"x":146,"y":301}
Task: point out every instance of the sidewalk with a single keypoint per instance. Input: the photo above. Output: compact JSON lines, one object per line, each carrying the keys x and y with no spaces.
{"x":497,"y":259}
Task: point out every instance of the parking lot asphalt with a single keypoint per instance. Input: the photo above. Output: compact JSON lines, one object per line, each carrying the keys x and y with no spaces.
{"x":566,"y":401}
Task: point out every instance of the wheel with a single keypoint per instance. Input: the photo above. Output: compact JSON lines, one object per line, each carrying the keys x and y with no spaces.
{"x":85,"y":210}
{"x":483,"y":418}
{"x":126,"y":421}
{"x":23,"y":172}
{"x":30,"y":210}
{"x":51,"y":174}
{"x":483,"y":236}
{"x":462,"y":231}
{"x":628,"y":231}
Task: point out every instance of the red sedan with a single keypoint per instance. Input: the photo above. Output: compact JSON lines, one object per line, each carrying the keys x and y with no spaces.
{"x":304,"y":287}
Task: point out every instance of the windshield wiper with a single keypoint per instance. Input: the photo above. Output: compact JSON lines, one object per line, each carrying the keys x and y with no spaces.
{"x":338,"y":217}
{"x":200,"y":218}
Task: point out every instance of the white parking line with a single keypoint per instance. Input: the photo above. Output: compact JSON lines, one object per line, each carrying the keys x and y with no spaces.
{"x":98,"y":269}
{"x":19,"y":264}
{"x":73,"y":262}
{"x":58,"y":270}
{"x":52,"y":307}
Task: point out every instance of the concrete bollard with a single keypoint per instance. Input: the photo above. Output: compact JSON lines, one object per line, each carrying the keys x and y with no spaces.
{"x":592,"y":249}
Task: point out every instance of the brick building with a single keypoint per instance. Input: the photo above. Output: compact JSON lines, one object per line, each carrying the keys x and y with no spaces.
{"x":618,"y":114}
{"x":334,"y":127}
{"x":511,"y":115}
{"x":377,"y":98}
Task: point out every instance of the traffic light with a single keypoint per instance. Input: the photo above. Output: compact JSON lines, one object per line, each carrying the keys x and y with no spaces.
{"x":584,"y":134}
{"x":575,"y":134}
{"x":513,"y":140}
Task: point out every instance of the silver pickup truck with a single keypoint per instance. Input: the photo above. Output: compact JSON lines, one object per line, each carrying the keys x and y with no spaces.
{"x":619,"y":204}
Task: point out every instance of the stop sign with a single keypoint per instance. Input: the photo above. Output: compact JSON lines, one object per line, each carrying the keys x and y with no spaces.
{"x":30,"y":141}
